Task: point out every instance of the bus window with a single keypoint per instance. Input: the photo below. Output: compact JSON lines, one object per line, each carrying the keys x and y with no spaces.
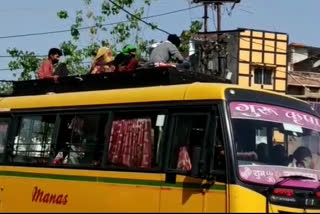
{"x":188,"y":138}
{"x":135,"y":140}
{"x":80,"y":140}
{"x":4,"y":123}
{"x":32,"y":144}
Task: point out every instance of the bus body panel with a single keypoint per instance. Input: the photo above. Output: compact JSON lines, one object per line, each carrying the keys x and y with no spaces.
{"x":44,"y":190}
{"x":35,"y":189}
{"x":189,"y":195}
{"x":245,"y":200}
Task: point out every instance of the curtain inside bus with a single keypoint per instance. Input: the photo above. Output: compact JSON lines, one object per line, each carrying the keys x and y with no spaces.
{"x":131,"y":143}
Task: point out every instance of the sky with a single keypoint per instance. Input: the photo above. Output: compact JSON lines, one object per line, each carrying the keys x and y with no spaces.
{"x":295,"y":17}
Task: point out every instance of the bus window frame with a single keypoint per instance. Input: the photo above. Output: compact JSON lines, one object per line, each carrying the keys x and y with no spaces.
{"x":166,"y":107}
{"x":227,"y":135}
{"x":9,"y":119}
{"x":245,"y":95}
{"x":72,"y":113}
{"x":173,"y":115}
{"x":136,"y":110}
{"x":14,"y":129}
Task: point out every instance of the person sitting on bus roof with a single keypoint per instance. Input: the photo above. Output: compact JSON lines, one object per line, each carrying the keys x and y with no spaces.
{"x":103,"y":61}
{"x":166,"y":50}
{"x":126,"y":60}
{"x":46,"y":71}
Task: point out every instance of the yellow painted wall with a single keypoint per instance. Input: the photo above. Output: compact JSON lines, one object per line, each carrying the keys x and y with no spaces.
{"x":280,"y":85}
{"x":256,"y":57}
{"x":269,"y":58}
{"x":270,"y":35}
{"x":257,"y":44}
{"x":281,"y":72}
{"x":283,"y":37}
{"x":281,"y":59}
{"x":245,"y":43}
{"x":244,"y":55}
{"x":268,"y":49}
{"x":243,"y":81}
{"x":244,"y":68}
{"x":282,"y":47}
{"x":269,"y":45}
{"x":245,"y":33}
{"x":257,"y":34}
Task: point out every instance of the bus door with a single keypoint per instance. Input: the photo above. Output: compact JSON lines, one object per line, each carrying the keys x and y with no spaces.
{"x":192,"y":182}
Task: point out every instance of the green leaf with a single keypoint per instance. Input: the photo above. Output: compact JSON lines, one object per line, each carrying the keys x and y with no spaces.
{"x":75,"y":32}
{"x":63,"y":14}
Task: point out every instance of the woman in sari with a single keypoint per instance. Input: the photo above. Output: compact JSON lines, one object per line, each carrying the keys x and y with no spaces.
{"x":103,"y":62}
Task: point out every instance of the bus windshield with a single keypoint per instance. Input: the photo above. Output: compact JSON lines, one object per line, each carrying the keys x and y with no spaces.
{"x":272,"y":142}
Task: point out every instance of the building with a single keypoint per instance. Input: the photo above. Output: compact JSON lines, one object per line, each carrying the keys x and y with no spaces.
{"x":304,"y":72}
{"x":246,"y":57}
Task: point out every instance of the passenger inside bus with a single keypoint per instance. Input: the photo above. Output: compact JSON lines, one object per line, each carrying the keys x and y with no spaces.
{"x":80,"y":140}
{"x":302,"y":158}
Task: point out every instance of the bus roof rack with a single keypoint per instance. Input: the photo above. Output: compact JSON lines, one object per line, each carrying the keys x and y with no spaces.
{"x":139,"y":78}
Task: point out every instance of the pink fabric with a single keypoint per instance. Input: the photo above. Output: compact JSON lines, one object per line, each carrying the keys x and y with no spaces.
{"x":131,"y":143}
{"x":184,"y":162}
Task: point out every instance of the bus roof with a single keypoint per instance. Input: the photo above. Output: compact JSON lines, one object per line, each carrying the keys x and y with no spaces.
{"x":183,"y":92}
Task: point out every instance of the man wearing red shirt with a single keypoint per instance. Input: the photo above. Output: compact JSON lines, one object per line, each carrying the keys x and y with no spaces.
{"x":46,"y":69}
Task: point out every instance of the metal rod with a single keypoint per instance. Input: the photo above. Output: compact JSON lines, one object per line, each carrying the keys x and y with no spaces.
{"x":218,"y":16}
{"x":205,"y":17}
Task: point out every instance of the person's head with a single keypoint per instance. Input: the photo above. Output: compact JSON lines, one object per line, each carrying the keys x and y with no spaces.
{"x":129,"y":50}
{"x":104,"y":56}
{"x":54,"y":55}
{"x":174,"y":39}
{"x":303,"y":157}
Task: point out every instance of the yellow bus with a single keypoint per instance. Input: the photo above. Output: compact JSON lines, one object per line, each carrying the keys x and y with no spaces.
{"x":196,"y":147}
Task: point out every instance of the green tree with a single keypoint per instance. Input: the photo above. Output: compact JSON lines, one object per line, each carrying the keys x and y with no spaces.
{"x":78,"y":58}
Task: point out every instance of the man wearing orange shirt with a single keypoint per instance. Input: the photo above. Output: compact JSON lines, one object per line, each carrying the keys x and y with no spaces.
{"x":46,"y":70}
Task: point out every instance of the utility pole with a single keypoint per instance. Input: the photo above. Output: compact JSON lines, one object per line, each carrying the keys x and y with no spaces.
{"x":218,"y":6}
{"x":219,"y":48}
{"x":205,"y":17}
{"x":220,"y":66}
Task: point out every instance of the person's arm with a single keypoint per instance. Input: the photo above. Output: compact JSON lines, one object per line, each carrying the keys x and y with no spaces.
{"x":175,"y":53}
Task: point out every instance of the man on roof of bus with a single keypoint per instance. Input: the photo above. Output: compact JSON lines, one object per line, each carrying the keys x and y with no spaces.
{"x":167,"y":50}
{"x":46,"y":71}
